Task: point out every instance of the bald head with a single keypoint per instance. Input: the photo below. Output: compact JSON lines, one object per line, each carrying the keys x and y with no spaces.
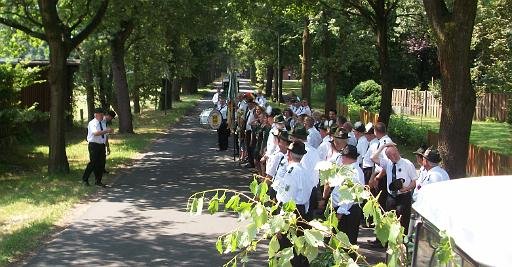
{"x":393,"y":154}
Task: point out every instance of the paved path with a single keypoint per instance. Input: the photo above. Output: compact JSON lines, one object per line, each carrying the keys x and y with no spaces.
{"x":142,"y":219}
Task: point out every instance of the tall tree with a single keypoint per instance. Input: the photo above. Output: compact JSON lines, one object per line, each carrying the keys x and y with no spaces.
{"x":43,"y":21}
{"x":118,"y":51}
{"x":452,"y":24}
{"x":380,"y":15}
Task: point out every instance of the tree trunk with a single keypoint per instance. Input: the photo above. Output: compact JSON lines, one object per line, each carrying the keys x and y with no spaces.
{"x":453,"y":31}
{"x":268,"y":83}
{"x":195,"y":83}
{"x":252,"y":73}
{"x":136,"y":99}
{"x":165,"y":95}
{"x":176,"y":88}
{"x":280,"y":89}
{"x":57,"y":78}
{"x":306,"y":61}
{"x":381,"y":31}
{"x":276,"y":81}
{"x":187,"y":85}
{"x":100,"y":75}
{"x":137,"y":83}
{"x":119,"y":76}
{"x":89,"y":87}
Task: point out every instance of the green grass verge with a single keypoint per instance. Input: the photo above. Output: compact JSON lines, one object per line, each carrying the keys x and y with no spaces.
{"x":495,"y":136}
{"x":32,"y":202}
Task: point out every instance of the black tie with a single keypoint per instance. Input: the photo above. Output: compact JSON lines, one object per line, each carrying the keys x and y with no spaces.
{"x":393,"y":178}
{"x":101,"y":128}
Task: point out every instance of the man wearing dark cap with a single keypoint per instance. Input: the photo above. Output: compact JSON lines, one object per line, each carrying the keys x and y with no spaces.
{"x":434,"y":173}
{"x":96,"y":136}
{"x":295,"y":185}
{"x":349,"y":214}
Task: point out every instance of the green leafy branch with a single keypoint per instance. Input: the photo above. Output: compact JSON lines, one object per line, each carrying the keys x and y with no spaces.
{"x":317,"y":240}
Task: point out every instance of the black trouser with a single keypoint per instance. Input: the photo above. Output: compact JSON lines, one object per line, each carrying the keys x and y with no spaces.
{"x":402,"y":204}
{"x":97,"y":158}
{"x":349,"y":224}
{"x":249,"y":146}
{"x":223,"y":134}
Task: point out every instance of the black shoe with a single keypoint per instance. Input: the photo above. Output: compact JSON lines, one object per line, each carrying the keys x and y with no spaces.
{"x":101,"y":184}
{"x":105,"y":171}
{"x":86,"y":183}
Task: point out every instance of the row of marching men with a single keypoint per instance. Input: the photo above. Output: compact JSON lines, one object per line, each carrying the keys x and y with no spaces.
{"x":292,"y":158}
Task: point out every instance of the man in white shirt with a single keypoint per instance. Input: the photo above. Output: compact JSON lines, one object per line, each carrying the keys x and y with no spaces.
{"x":349,"y":214}
{"x":400,"y":181}
{"x":249,"y":119}
{"x":325,"y":146}
{"x":305,"y":107}
{"x":96,"y":136}
{"x":215,"y":98}
{"x":295,"y":186}
{"x":373,"y":143}
{"x":434,"y":173}
{"x":362,"y":143}
{"x":314,"y":138}
{"x":277,"y":162}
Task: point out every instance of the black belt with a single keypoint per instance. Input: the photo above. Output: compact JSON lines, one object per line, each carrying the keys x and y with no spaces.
{"x":94,"y":143}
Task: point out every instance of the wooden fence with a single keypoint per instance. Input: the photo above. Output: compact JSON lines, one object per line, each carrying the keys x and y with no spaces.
{"x":364,"y":115}
{"x":423,"y":103}
{"x":481,"y":162}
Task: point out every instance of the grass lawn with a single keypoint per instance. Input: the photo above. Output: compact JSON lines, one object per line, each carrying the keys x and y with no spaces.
{"x":32,"y":203}
{"x":495,"y":136}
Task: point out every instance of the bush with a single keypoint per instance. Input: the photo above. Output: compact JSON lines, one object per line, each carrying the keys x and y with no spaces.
{"x":14,"y":119}
{"x":405,"y":132}
{"x":367,"y":94}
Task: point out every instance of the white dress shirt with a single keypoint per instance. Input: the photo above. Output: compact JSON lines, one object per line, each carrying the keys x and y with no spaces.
{"x":249,"y":118}
{"x":367,"y":158}
{"x":343,"y":208}
{"x":273,"y":163}
{"x":94,"y":126}
{"x":404,"y":170}
{"x":314,"y":138}
{"x":223,"y":111}
{"x":308,"y":162}
{"x":294,"y":186}
{"x":434,"y":175}
{"x":215,"y":98}
{"x":281,"y":167}
{"x":351,"y":139}
{"x":324,"y":147}
{"x":362,"y":146}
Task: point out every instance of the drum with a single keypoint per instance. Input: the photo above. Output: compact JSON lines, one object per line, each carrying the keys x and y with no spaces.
{"x":215,"y":119}
{"x":203,"y":118}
